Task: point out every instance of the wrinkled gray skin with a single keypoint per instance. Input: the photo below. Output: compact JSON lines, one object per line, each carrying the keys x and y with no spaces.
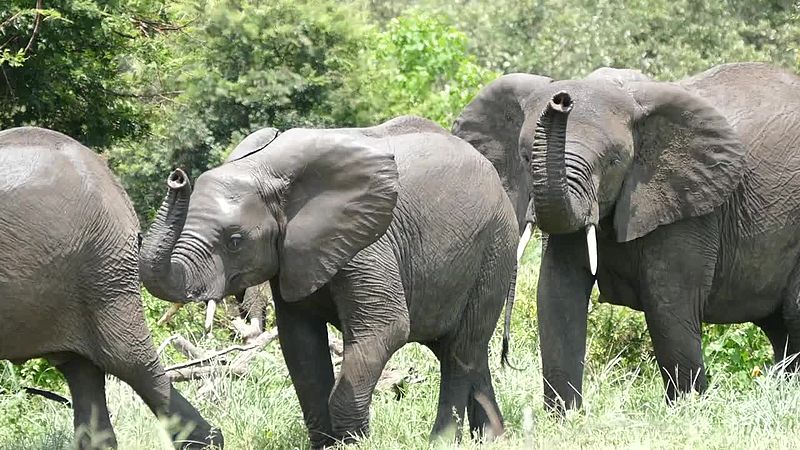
{"x":253,"y":301}
{"x":69,"y":289}
{"x":393,"y":234}
{"x":694,"y":189}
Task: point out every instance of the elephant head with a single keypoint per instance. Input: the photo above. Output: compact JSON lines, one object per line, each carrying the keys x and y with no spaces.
{"x":613,"y":144}
{"x":295,"y":213}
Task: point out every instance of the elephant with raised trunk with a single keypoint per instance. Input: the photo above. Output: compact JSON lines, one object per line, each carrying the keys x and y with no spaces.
{"x":678,"y":199}
{"x":393,"y":234}
{"x":69,"y":289}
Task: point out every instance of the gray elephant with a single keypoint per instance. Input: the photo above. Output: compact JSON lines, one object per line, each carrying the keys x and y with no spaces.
{"x":396,"y":233}
{"x":69,"y":289}
{"x":253,"y":301}
{"x":687,"y":193}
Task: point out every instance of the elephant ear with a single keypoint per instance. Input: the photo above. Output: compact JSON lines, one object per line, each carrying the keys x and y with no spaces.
{"x":341,"y":194}
{"x":254,"y":142}
{"x":687,"y":160}
{"x":491,"y":123}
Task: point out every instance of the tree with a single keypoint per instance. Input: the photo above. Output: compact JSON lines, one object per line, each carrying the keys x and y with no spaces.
{"x":65,"y":67}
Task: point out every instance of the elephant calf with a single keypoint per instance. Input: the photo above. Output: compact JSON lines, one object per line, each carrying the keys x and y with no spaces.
{"x":396,"y":233}
{"x":69,"y":289}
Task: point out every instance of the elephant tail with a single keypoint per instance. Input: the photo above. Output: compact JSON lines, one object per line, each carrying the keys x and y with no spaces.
{"x":46,"y":394}
{"x":507,"y":321}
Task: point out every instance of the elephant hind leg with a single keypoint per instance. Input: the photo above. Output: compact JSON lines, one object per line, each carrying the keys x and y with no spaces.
{"x":128,"y":353}
{"x":466,"y":384}
{"x":775,"y":329}
{"x":482,"y":410}
{"x":791,"y":319}
{"x":90,"y":411}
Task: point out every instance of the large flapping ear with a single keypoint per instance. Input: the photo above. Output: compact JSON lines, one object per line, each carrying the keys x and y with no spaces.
{"x":254,"y":142}
{"x":341,"y":194}
{"x":687,"y":160}
{"x":491,"y":123}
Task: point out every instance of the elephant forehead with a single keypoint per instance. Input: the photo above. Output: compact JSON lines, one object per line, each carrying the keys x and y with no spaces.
{"x":591,"y":99}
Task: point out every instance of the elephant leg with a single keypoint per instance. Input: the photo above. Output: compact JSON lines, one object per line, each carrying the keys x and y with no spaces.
{"x":465,"y":384}
{"x":90,"y":412}
{"x":129,"y":354}
{"x":371,"y":305}
{"x":454,"y":390}
{"x":304,"y":344}
{"x":677,"y":344}
{"x":482,"y":409}
{"x":676,"y":277}
{"x":775,"y":329}
{"x":791,"y":317}
{"x":565,"y":283}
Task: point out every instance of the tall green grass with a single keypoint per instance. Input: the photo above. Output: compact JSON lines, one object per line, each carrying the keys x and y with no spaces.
{"x":623,"y":396}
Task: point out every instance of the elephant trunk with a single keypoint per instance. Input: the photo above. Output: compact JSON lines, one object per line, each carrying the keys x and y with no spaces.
{"x":561,"y":185}
{"x":160,"y":272}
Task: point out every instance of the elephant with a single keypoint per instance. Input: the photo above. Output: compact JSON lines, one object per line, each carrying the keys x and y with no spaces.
{"x":679,"y":199}
{"x":69,"y":285}
{"x":395,"y":233}
{"x":251,"y":302}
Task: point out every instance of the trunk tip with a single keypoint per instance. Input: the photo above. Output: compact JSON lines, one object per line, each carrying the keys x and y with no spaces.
{"x":562,"y":102}
{"x":177,"y":179}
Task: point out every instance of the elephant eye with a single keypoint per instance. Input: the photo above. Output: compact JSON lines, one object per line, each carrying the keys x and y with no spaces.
{"x":235,"y":242}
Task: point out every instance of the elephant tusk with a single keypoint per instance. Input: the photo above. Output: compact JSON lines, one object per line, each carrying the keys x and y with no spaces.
{"x":523,"y":241}
{"x":256,"y":323}
{"x":173,"y":309}
{"x":591,"y":243}
{"x":211,"y":308}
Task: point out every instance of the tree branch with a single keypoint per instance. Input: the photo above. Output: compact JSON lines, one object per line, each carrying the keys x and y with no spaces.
{"x":36,"y":26}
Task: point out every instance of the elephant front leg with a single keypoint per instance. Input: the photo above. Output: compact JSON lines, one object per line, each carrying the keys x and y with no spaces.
{"x":677,"y":273}
{"x":677,"y":344}
{"x":565,"y":283}
{"x":304,"y":343}
{"x":372,"y":309}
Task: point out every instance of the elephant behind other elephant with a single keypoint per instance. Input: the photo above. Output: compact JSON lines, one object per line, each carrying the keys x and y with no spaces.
{"x":684,"y":196}
{"x":69,"y":287}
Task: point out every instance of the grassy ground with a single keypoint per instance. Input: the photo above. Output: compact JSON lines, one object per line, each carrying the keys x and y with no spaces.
{"x":624,"y":407}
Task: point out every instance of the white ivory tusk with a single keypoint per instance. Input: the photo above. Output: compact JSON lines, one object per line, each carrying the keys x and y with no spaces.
{"x":211,"y":308}
{"x":523,"y":241}
{"x":173,"y":309}
{"x":256,"y":323}
{"x":591,"y":243}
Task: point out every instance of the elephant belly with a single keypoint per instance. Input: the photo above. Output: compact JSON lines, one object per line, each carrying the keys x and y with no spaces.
{"x":754,"y":277}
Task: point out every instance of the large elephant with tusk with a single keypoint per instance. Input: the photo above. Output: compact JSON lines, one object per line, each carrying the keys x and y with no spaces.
{"x":395,"y":233}
{"x":679,"y":199}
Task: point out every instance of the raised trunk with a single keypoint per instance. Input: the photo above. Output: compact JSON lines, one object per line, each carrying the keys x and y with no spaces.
{"x":559,"y":207}
{"x":160,"y":273}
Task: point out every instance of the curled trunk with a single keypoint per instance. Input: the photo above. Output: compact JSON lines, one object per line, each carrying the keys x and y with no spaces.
{"x":559,"y":207}
{"x":160,"y":273}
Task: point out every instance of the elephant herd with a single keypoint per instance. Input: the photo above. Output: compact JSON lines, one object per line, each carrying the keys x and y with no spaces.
{"x":678,"y":199}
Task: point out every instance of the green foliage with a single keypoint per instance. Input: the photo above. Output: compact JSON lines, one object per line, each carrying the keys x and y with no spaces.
{"x":736,"y":351}
{"x":420,"y":66}
{"x":666,"y":39}
{"x":60,"y":68}
{"x":236,"y":67}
